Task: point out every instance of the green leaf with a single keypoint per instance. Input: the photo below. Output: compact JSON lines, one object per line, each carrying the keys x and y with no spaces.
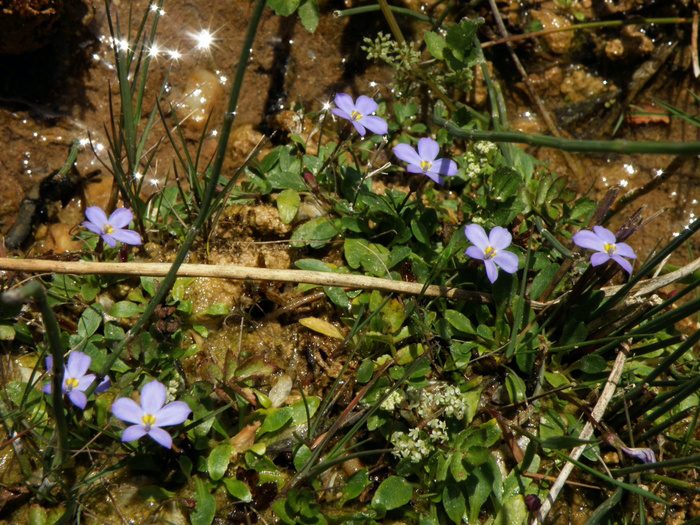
{"x":308,"y":14}
{"x":217,"y":309}
{"x":392,"y":493}
{"x":205,"y":507}
{"x":542,"y":280}
{"x":218,"y":461}
{"x":7,"y":333}
{"x":513,"y":511}
{"x":592,"y":364}
{"x":238,"y":489}
{"x":283,"y":180}
{"x":125,"y":309}
{"x":454,"y":502}
{"x":276,"y":418}
{"x":435,"y":44}
{"x":301,"y":457}
{"x":89,"y":322}
{"x":284,"y":7}
{"x":288,"y":203}
{"x":357,"y":483}
{"x":515,"y":387}
{"x":459,"y":321}
{"x":315,"y":233}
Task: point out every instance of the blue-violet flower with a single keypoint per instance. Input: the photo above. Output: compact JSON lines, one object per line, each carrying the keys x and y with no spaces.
{"x":491,"y":249}
{"x":425,"y":160}
{"x":645,"y":455}
{"x":151,"y":414}
{"x":360,"y":114}
{"x":76,"y":379}
{"x":602,"y":241}
{"x":114,"y":229}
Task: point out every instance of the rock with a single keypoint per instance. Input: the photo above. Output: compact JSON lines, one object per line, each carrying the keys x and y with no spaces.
{"x":202,"y":92}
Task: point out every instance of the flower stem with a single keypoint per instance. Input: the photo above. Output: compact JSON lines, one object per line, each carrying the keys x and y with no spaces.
{"x":34,"y":290}
{"x":628,"y":147}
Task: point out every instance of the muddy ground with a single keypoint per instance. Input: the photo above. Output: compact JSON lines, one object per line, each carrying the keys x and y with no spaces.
{"x":59,"y":92}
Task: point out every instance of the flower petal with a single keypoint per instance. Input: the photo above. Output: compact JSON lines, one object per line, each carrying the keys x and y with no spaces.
{"x":96,"y":216}
{"x":48,"y":362}
{"x":78,"y":398}
{"x":599,"y":258}
{"x":477,"y":236}
{"x":133,"y":433}
{"x":111,"y":241}
{"x":104,"y":385}
{"x":436,"y":177}
{"x":623,"y":262}
{"x":412,"y":168}
{"x":120,"y":218}
{"x":78,"y":364}
{"x":604,"y":234}
{"x":445,"y":167}
{"x":340,"y":113}
{"x":625,"y":250}
{"x":172,"y":414}
{"x":127,"y":237}
{"x":376,"y":125}
{"x":499,"y":238}
{"x":84,"y":382}
{"x":127,"y":410}
{"x":506,"y":261}
{"x":365,"y":105}
{"x":491,"y":270}
{"x":153,"y":396}
{"x":589,"y":240}
{"x":428,"y":149}
{"x":407,"y":154}
{"x":359,"y":127}
{"x":47,"y":388}
{"x":161,"y":437}
{"x":645,"y":455}
{"x":475,"y":253}
{"x":344,"y":101}
{"x":92,"y":227}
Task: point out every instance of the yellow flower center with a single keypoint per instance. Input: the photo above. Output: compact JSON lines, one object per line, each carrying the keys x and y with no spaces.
{"x":425,"y":165}
{"x":148,"y":420}
{"x":490,"y":252}
{"x":71,"y":383}
{"x":609,"y":248}
{"x":356,"y":115}
{"x":108,"y":229}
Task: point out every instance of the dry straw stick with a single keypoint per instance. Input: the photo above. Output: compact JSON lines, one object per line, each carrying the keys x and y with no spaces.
{"x":240,"y":273}
{"x":586,"y":433}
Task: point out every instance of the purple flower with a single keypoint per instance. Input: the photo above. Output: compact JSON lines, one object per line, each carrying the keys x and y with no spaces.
{"x":148,"y":417}
{"x":425,"y":160}
{"x":113,"y":229}
{"x":75,"y":378}
{"x":360,"y":114}
{"x":491,"y":249}
{"x":645,"y":455}
{"x":602,"y":241}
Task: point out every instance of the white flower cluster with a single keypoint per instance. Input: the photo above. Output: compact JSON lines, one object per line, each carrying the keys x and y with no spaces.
{"x":439,"y":398}
{"x":419,"y":444}
{"x":411,"y":446}
{"x":479,"y":158}
{"x":438,"y":430}
{"x":392,"y":400}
